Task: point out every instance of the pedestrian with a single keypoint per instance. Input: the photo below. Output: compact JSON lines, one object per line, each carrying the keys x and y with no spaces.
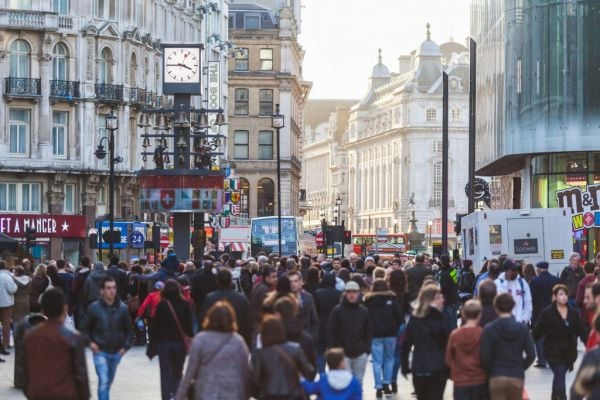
{"x":427,"y":331}
{"x":587,"y":381}
{"x":308,"y":312}
{"x":109,"y":332}
{"x":21,"y":306}
{"x":338,"y":383}
{"x":560,"y":326}
{"x":326,"y":298}
{"x":50,"y":346}
{"x":487,"y":294}
{"x":8,"y":288}
{"x":147,"y":310}
{"x":287,"y":308}
{"x":397,"y":283}
{"x":350,"y":328}
{"x":217,"y":367}
{"x":21,"y":329}
{"x":448,"y":278}
{"x":589,"y":269}
{"x":66,"y":282}
{"x":386,"y":316}
{"x":277,"y":365}
{"x":172,"y":324}
{"x":239,"y":302}
{"x":463,"y":355}
{"x":593,"y":305}
{"x":312,"y":280}
{"x":490,"y":270}
{"x":529,"y":273}
{"x":541,"y":296}
{"x":571,"y":275}
{"x":203,"y":283}
{"x":510,"y":282}
{"x":93,"y":283}
{"x":77,"y":289}
{"x":39,"y":283}
{"x":415,"y":276}
{"x":120,"y":277}
{"x":267,"y":284}
{"x":507,"y":350}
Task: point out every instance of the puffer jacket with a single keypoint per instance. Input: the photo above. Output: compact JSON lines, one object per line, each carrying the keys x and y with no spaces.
{"x":8,"y":288}
{"x":275,"y":371}
{"x":109,"y":326}
{"x":386,"y":313}
{"x":350,"y":328}
{"x":326,"y":299}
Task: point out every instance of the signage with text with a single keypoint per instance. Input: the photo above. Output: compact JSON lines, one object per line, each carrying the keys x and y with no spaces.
{"x":526,"y":246}
{"x":46,"y":225}
{"x":585,"y":205}
{"x":181,"y":193}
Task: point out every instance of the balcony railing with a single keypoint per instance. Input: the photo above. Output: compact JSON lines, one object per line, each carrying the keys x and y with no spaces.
{"x":137,"y":96}
{"x":65,"y":22}
{"x":108,"y":92}
{"x":22,"y":87}
{"x":26,"y":19}
{"x":64,"y":89}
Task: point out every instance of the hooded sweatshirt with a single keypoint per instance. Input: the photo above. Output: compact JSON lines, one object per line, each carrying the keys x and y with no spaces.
{"x":462,"y":356}
{"x":519,"y":290}
{"x":502,"y":346}
{"x":338,"y":384}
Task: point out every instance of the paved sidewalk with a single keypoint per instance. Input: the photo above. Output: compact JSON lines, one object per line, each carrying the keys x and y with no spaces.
{"x":138,"y":378}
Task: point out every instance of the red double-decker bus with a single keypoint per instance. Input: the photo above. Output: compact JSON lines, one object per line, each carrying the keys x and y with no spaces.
{"x":385,"y":245}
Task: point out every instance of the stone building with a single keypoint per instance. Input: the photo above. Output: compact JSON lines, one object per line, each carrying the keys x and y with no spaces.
{"x":267,"y":70}
{"x":66,"y":64}
{"x":394,"y":143}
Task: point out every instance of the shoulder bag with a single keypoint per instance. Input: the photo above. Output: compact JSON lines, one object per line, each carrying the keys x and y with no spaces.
{"x":187,"y":341}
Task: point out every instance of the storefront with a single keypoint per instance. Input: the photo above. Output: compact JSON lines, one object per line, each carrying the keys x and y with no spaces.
{"x":567,"y":180}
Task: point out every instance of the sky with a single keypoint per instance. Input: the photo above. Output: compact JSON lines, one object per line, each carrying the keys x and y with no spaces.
{"x":341,"y":38}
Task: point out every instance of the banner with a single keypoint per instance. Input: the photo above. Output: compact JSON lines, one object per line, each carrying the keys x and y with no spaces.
{"x":181,"y":193}
{"x":585,"y":206}
{"x":46,"y":225}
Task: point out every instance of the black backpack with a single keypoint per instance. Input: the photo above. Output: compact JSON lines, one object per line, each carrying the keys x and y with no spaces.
{"x":466,"y":282}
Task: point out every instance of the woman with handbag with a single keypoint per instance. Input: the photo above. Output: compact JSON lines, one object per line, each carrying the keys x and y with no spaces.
{"x":218,"y":365}
{"x":172,"y":330}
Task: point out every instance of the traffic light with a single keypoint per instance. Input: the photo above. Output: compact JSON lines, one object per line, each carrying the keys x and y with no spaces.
{"x":156,"y":236}
{"x":30,"y":236}
{"x":115,"y":237}
{"x":347,"y":237}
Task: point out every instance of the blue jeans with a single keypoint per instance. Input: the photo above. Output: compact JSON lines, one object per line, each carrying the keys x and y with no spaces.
{"x":559,"y":387}
{"x":452,"y":311}
{"x":106,"y":367}
{"x":398,"y":352}
{"x":382,"y":354}
{"x":171,"y":356}
{"x":539,"y":350}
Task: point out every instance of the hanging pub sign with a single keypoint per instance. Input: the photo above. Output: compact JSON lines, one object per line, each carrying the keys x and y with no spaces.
{"x":585,"y":206}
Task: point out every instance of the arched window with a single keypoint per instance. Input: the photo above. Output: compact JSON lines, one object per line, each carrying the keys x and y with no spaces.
{"x":133,"y":70}
{"x":59,"y":62}
{"x":265,"y":197}
{"x":105,"y":66}
{"x":19,"y":59}
{"x":245,"y":196}
{"x":431,"y":115}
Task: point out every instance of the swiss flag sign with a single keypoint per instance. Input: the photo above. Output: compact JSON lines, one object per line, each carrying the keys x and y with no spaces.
{"x":167,"y":198}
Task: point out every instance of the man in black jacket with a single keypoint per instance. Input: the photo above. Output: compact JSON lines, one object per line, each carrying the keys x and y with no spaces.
{"x":308,"y":312}
{"x":326,"y":298}
{"x":120,"y":277}
{"x":109,"y":332}
{"x":202,"y":283}
{"x":502,"y":346}
{"x":238,"y":301}
{"x":415,"y":276}
{"x":350,"y":328}
{"x":449,"y":286}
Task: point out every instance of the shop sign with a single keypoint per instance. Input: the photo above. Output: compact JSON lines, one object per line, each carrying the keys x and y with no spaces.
{"x":46,"y":225}
{"x":584,"y":205}
{"x":526,"y":246}
{"x":181,"y":193}
{"x":557,"y":254}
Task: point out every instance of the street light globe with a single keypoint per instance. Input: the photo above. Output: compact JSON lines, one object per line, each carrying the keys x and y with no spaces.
{"x":112,"y":122}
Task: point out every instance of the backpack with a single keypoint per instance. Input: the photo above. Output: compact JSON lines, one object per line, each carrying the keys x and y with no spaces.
{"x":466,"y":282}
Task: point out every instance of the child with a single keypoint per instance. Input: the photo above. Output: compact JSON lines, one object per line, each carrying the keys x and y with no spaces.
{"x":338,"y":384}
{"x":462,"y":355}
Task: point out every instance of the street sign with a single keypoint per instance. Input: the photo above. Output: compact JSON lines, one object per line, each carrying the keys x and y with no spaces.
{"x":319,"y":239}
{"x":136,"y":240}
{"x":164,"y":241}
{"x":382,"y":234}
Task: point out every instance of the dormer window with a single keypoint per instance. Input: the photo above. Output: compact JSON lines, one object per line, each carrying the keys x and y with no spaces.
{"x":251,"y":22}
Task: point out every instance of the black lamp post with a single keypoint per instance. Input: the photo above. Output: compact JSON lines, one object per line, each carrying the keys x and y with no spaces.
{"x":112,"y":124}
{"x":323,"y":229}
{"x":336,"y":210}
{"x":278,"y":122}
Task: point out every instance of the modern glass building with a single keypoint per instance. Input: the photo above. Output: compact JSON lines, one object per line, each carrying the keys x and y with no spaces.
{"x":538,"y":95}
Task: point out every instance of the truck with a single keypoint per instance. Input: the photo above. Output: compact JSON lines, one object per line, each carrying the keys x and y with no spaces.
{"x":236,"y":240}
{"x":527,"y":235}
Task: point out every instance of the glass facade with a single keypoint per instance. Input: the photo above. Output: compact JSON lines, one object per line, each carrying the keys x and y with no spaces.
{"x":537,"y":78}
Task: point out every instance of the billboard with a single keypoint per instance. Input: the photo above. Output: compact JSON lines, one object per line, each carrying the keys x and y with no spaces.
{"x":181,"y":193}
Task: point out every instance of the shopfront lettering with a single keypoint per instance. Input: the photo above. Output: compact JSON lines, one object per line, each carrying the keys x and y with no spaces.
{"x":584,"y":205}
{"x":16,"y":225}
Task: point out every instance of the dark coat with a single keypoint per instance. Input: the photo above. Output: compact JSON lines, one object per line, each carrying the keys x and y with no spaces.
{"x":560,"y":338}
{"x":449,"y":284}
{"x":294,"y":332}
{"x":386,"y":313}
{"x":541,"y":292}
{"x":257,"y":297}
{"x":350,"y":328}
{"x":415,"y":276}
{"x":571,"y":278}
{"x":325,"y":301}
{"x":109,"y":326}
{"x":308,"y":314}
{"x":240,"y":305}
{"x":588,"y":376}
{"x":275,"y":371}
{"x":204,"y":282}
{"x":164,"y":326}
{"x":429,"y":336}
{"x":121,"y":279}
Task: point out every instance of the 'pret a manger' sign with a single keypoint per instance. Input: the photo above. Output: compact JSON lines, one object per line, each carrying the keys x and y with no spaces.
{"x":46,"y":225}
{"x":585,"y":205}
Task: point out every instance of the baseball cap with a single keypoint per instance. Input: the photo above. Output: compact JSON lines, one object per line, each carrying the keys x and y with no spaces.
{"x":351,"y":286}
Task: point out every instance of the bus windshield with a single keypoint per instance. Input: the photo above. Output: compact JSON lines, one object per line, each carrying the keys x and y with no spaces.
{"x":265,"y":237}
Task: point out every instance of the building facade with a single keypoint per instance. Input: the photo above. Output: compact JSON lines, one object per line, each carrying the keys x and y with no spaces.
{"x":67,"y":64}
{"x":394,"y":145}
{"x":266,"y":70}
{"x":538,"y":107}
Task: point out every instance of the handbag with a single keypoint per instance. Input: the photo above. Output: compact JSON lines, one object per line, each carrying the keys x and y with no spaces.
{"x":187,"y":341}
{"x":134,"y":302}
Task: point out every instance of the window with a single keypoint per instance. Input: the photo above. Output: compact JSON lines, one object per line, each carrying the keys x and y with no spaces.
{"x":265,"y":102}
{"x":19,"y":59}
{"x":241,"y":59}
{"x":60,"y":123}
{"x":265,"y":145}
{"x":105,"y":66}
{"x":241,"y":101}
{"x":240,"y":145}
{"x":437,"y":184}
{"x":69,"y":204}
{"x":59,"y":62}
{"x":265,"y":197}
{"x":437,"y":146}
{"x":20,"y":4}
{"x":245,"y":197}
{"x":251,"y":22}
{"x":8,"y":197}
{"x":18,"y":131}
{"x":60,"y":6}
{"x":105,"y":8}
{"x":266,"y":59}
{"x":30,"y":197}
{"x":431,"y":115}
{"x":456,"y":115}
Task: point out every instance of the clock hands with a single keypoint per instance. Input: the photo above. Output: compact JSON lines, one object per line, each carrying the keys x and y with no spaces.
{"x":179,"y":65}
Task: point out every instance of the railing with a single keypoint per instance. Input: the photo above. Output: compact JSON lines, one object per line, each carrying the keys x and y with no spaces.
{"x":137,"y":96}
{"x":108,"y":92}
{"x":65,"y":89}
{"x":37,"y":20}
{"x":65,"y":22}
{"x":22,"y":87}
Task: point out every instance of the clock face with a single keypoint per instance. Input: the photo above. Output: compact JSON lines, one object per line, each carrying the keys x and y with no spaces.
{"x":182,"y":65}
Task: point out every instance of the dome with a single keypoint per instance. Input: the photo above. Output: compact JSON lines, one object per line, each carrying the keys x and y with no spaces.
{"x":380,"y":70}
{"x":429,"y":48}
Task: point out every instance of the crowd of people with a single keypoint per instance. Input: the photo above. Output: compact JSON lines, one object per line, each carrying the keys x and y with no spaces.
{"x":276,"y":328}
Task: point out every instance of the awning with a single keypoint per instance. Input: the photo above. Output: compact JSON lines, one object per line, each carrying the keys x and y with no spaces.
{"x":8,"y":243}
{"x":235,"y":246}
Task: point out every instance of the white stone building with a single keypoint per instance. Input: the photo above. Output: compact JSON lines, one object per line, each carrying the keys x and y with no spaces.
{"x":65,"y":64}
{"x":395,"y":142}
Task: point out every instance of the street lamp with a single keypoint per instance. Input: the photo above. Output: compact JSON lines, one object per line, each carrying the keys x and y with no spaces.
{"x":336,"y":210}
{"x":278,"y":122}
{"x":429,"y":229}
{"x":112,"y":124}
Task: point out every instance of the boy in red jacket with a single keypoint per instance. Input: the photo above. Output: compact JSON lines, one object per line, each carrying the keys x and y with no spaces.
{"x":462,"y":356}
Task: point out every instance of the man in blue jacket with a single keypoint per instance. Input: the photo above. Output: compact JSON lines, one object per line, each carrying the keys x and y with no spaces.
{"x":338,"y":384}
{"x":541,"y":296}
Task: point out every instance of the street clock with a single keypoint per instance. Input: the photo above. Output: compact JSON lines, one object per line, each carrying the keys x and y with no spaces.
{"x":182,"y":69}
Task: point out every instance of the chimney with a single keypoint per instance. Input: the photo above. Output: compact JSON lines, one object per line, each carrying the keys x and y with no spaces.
{"x":405,"y":64}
